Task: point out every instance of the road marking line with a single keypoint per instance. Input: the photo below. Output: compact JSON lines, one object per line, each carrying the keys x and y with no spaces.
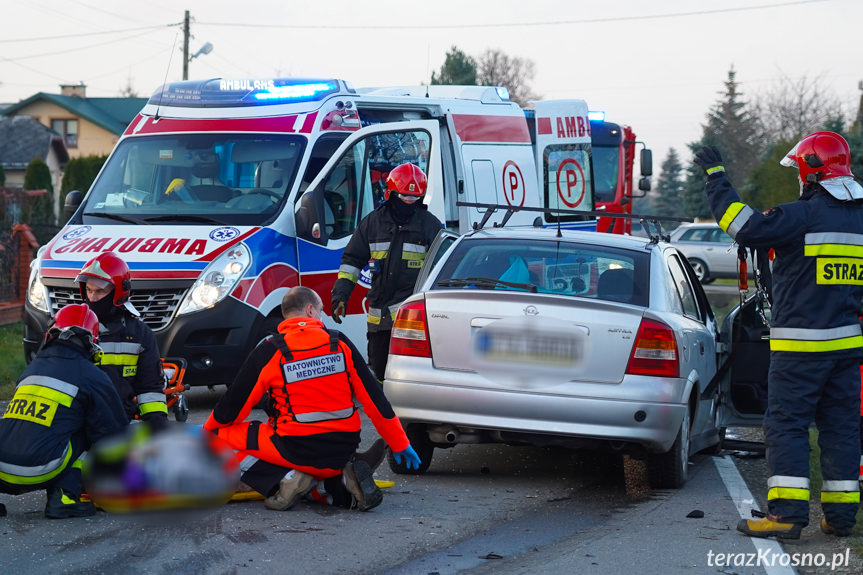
{"x":744,"y":501}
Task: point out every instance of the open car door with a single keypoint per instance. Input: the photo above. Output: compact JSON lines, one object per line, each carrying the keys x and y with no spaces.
{"x":743,"y":387}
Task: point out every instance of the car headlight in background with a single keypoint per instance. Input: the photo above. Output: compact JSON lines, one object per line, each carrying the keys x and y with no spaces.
{"x":36,"y":293}
{"x":217,"y":280}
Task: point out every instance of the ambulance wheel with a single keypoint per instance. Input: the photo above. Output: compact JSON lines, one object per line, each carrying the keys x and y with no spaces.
{"x":181,"y":409}
{"x":422,"y":445}
{"x":670,"y":470}
{"x":702,"y":272}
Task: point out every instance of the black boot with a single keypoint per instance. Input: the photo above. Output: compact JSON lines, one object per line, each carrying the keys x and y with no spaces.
{"x":63,"y":504}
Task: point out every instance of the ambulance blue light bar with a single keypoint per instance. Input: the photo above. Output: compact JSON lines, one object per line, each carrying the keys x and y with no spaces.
{"x":596,"y":116}
{"x":225,"y":92}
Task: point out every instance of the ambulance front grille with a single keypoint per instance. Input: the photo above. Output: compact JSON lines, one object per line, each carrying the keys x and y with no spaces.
{"x":156,"y":306}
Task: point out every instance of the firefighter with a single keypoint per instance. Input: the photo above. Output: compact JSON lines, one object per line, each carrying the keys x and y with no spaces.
{"x":62,"y":404}
{"x":815,"y":339}
{"x":312,"y":377}
{"x":131,"y":355}
{"x":392,"y":241}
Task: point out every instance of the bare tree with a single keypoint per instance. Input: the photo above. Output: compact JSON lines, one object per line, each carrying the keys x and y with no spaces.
{"x":495,"y":68}
{"x":793,"y":108}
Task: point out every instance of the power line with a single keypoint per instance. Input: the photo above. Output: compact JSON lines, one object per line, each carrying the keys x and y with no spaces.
{"x":89,"y":34}
{"x":68,"y":50}
{"x":432,"y":26}
{"x":510,"y":24}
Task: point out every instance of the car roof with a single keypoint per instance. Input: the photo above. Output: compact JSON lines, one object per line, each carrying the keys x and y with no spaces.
{"x":551,"y":234}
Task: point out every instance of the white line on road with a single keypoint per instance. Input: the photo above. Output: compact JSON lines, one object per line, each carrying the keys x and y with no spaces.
{"x":744,"y":501}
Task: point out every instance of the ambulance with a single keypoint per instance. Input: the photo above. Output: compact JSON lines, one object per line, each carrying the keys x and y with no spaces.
{"x":222,"y":194}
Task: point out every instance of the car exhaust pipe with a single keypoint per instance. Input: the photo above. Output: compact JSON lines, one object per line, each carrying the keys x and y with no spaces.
{"x":451,"y":436}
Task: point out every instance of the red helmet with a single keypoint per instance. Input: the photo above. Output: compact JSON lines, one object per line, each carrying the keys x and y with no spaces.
{"x":820,"y":156}
{"x":109,"y":267}
{"x":407,"y":179}
{"x":75,"y":319}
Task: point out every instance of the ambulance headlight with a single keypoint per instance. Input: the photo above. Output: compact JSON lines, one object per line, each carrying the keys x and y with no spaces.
{"x":37,"y":296}
{"x":217,"y":280}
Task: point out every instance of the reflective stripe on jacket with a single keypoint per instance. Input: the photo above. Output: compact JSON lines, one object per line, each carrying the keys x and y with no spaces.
{"x":818,"y":268}
{"x":131,"y":358}
{"x":399,"y":252}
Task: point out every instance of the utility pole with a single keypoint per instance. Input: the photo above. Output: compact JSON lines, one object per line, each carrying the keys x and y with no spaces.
{"x":186,"y":46}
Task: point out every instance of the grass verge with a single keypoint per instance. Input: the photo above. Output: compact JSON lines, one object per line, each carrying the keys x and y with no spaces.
{"x":855,"y":542}
{"x":11,"y":357}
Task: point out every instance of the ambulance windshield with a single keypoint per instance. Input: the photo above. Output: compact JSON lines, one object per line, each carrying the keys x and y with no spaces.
{"x":189,"y":178}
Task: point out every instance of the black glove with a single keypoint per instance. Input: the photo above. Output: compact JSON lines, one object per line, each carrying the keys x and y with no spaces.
{"x":710,"y":160}
{"x":338,"y":310}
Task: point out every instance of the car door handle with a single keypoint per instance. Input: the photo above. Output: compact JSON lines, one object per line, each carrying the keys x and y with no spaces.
{"x":701,"y":347}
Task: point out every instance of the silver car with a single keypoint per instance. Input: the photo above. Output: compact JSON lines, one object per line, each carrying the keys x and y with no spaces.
{"x":582,"y":340}
{"x":711,"y":252}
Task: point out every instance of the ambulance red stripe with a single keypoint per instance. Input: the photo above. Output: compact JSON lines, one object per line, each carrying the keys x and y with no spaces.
{"x":286,"y":124}
{"x":476,"y":128}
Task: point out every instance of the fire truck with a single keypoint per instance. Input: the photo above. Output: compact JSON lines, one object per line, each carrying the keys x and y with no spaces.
{"x":613,"y":164}
{"x":222,"y":194}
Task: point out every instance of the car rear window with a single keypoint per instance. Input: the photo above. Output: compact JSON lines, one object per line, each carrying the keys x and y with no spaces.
{"x":555,"y":267}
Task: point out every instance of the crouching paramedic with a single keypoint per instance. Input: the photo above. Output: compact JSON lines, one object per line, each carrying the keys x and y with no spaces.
{"x":312,"y":377}
{"x":63,"y":403}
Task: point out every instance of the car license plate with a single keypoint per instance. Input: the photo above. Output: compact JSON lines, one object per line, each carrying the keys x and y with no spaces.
{"x":526,"y":348}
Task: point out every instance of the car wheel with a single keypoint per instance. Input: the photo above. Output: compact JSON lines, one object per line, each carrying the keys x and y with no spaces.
{"x":670,"y":470}
{"x":422,"y":445}
{"x":701,"y":271}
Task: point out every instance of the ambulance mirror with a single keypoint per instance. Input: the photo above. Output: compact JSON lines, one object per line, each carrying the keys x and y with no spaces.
{"x":71,"y":203}
{"x":307,"y":218}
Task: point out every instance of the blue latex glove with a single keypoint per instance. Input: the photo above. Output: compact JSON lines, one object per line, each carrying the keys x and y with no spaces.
{"x":412,"y":460}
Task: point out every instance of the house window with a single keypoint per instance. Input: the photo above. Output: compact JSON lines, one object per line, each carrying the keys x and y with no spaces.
{"x":68,"y":129}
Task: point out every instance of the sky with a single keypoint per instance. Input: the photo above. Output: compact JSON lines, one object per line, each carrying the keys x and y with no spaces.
{"x":657,"y":66}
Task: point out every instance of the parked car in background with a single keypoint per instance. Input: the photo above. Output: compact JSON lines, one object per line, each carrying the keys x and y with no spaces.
{"x":710,"y":251}
{"x":574,"y":339}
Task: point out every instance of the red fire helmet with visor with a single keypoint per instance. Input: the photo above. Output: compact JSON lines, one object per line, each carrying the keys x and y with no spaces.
{"x":109,"y":267}
{"x":407,"y":179}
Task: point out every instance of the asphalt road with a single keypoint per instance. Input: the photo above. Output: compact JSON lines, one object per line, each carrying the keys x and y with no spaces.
{"x":479,"y":509}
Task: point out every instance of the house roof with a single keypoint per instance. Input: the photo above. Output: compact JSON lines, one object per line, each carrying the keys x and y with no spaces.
{"x":23,"y":138}
{"x":111,"y":114}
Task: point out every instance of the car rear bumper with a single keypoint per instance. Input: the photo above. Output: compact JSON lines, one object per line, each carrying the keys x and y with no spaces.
{"x":644,"y":421}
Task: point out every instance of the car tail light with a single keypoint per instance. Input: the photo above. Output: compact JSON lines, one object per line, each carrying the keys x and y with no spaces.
{"x":655,"y":351}
{"x":410,"y":331}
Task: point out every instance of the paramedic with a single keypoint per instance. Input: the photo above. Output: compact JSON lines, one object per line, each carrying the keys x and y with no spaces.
{"x":130,"y":355}
{"x":62,"y":405}
{"x":815,"y":338}
{"x":312,"y":377}
{"x":392,"y":241}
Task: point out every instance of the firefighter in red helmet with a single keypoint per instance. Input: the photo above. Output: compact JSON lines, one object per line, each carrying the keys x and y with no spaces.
{"x":62,"y":405}
{"x":816,"y":344}
{"x":131,"y":355}
{"x":392,"y":242}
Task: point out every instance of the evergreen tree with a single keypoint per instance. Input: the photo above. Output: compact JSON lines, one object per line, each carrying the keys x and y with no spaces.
{"x":38,"y":210}
{"x":79,"y":174}
{"x":458,"y":69}
{"x":735,"y":131}
{"x":668,"y":191}
{"x":770,"y":183}
{"x":2,"y":176}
